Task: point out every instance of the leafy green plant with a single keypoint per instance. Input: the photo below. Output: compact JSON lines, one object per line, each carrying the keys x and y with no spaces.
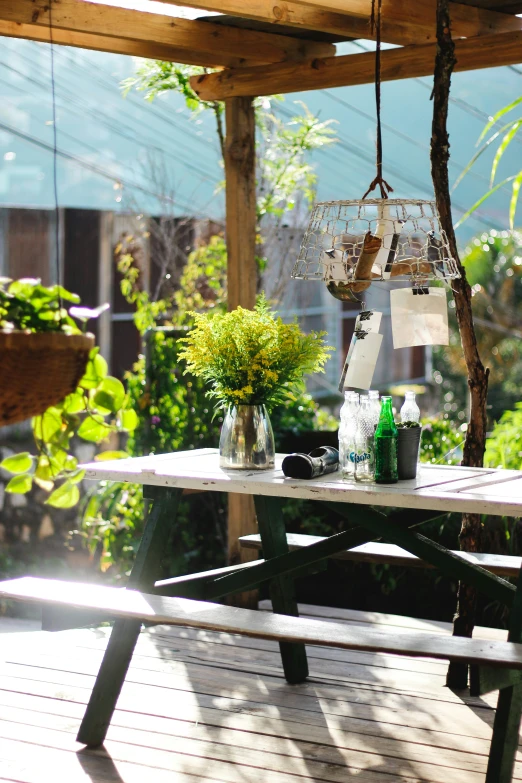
{"x":493,"y":262}
{"x":441,"y":441}
{"x":504,"y":445}
{"x":97,"y":408}
{"x":250,"y":356}
{"x":504,"y":136}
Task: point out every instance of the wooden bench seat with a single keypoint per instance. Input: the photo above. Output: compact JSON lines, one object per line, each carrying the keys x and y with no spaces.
{"x":377,"y":552}
{"x":132,"y":604}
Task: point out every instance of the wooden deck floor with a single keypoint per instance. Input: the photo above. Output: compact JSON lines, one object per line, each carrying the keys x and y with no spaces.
{"x":201,"y":706}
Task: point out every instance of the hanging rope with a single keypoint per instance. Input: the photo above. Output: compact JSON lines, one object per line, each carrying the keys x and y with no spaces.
{"x":55,"y":160}
{"x":375,"y":26}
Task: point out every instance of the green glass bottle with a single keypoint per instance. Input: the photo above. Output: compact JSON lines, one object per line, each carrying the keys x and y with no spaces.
{"x":386,"y":445}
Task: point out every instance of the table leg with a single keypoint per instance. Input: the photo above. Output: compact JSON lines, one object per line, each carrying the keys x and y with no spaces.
{"x":124,"y":636}
{"x":282,"y":589}
{"x":506,"y":727}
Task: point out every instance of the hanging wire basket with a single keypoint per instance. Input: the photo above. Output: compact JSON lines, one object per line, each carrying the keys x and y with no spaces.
{"x":350,"y":244}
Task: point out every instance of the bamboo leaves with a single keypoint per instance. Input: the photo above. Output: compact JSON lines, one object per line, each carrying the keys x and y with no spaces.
{"x":511,"y":129}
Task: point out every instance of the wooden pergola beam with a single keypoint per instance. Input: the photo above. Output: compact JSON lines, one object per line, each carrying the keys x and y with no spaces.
{"x":152,"y":35}
{"x":104,"y":43}
{"x":240,"y":178}
{"x":403,"y":22}
{"x":348,"y":70}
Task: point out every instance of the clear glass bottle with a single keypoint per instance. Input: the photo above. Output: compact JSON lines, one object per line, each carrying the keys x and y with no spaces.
{"x":364,"y":452}
{"x":410,"y":410}
{"x":386,"y":445}
{"x":347,"y":428}
{"x":375,"y":406}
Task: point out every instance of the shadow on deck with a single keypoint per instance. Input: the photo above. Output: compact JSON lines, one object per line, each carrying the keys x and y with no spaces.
{"x":205,"y":706}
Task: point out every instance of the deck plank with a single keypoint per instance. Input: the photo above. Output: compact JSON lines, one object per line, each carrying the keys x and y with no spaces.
{"x":207,"y":706}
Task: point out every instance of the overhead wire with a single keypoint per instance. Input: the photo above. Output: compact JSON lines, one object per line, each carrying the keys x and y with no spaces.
{"x":360,"y":153}
{"x":106,"y":121}
{"x":92,"y":167}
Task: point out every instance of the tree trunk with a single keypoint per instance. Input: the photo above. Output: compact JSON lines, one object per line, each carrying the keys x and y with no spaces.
{"x":475,"y":442}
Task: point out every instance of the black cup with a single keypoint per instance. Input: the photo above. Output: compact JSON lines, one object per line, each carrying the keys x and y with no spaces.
{"x":408,"y":446}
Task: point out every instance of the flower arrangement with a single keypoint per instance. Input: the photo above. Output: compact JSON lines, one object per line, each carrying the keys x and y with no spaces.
{"x":251,"y":357}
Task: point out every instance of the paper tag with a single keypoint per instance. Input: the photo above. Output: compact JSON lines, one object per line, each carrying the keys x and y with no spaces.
{"x":332,"y":261}
{"x":362,"y":360}
{"x":358,"y":360}
{"x":419,"y":318}
{"x":368,"y":321}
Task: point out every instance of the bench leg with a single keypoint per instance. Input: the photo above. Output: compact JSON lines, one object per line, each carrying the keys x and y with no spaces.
{"x":125,"y":633}
{"x":504,"y":743}
{"x":282,"y":590}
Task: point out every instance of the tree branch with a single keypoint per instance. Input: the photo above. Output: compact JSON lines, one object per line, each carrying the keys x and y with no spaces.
{"x":475,"y":442}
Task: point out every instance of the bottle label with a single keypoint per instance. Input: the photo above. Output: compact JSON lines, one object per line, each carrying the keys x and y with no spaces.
{"x":358,"y":457}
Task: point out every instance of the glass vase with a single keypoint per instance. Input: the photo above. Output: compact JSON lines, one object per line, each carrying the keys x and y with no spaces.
{"x":247,"y":439}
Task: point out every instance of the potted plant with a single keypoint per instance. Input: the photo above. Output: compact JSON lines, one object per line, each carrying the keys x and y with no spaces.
{"x":51,"y":371}
{"x":408,"y":445}
{"x":253,"y":361}
{"x":43,"y":352}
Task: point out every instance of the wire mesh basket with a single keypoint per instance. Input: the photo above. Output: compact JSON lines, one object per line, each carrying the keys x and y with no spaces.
{"x":350,"y":244}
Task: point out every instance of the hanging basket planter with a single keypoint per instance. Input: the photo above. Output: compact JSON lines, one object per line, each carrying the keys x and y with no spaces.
{"x":39,"y":370}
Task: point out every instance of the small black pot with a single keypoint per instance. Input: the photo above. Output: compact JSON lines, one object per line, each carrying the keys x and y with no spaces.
{"x":408,"y":452}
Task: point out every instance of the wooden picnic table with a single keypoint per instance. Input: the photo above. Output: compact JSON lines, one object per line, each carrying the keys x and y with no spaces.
{"x":442,"y":488}
{"x":392,"y":512}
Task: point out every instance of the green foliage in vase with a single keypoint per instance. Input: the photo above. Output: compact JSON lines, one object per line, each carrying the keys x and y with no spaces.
{"x":97,"y":408}
{"x":251,"y":357}
{"x":173,"y":414}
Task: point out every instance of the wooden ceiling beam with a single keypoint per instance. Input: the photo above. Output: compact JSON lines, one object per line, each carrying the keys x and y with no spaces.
{"x":104,"y":43}
{"x":404,"y":22}
{"x":193,"y":42}
{"x":466,"y":20}
{"x":348,"y":70}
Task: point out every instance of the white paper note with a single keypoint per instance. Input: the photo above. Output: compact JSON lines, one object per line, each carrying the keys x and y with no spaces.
{"x":362,"y":359}
{"x":332,"y":261}
{"x":419,"y":319}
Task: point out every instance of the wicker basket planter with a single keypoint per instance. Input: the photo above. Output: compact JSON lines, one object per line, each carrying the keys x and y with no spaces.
{"x":39,"y":370}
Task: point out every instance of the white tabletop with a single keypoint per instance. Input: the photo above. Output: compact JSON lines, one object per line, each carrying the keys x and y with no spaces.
{"x":441,"y":488}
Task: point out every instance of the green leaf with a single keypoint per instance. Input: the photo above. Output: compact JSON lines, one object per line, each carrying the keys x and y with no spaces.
{"x":47,"y":486}
{"x":482,"y":199}
{"x":44,"y":427}
{"x":504,"y":144}
{"x":74,"y":403}
{"x":479,"y":153}
{"x":110,"y":395}
{"x":94,"y":429}
{"x":107,"y":455}
{"x":498,"y":115}
{"x":129,"y":420}
{"x":19,"y":485}
{"x":95,"y":372}
{"x":75,"y":478}
{"x":43,"y":469}
{"x":19,"y":463}
{"x":66,"y":496}
{"x":514,"y":199}
{"x":59,"y":292}
{"x":24,"y":287}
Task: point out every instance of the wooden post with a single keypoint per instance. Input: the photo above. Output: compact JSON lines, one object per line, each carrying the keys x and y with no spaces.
{"x":475,"y":442}
{"x":240,"y":172}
